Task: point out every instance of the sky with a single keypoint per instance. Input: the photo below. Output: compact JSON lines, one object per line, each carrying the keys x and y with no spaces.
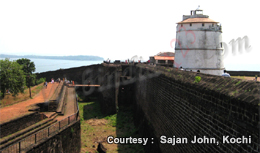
{"x":118,"y":29}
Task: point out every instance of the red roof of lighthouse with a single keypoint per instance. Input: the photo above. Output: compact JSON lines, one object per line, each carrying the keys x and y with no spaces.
{"x":198,"y":20}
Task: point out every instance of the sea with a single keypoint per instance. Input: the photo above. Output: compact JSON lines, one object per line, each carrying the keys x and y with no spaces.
{"x":43,"y":65}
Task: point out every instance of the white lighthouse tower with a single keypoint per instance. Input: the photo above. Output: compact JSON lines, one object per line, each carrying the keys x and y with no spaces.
{"x":198,"y":44}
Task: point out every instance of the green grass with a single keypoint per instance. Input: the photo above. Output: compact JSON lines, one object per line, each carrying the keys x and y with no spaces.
{"x":39,"y":87}
{"x":92,"y":110}
{"x":238,"y":77}
{"x":10,"y":100}
{"x":112,"y":120}
{"x":117,"y":125}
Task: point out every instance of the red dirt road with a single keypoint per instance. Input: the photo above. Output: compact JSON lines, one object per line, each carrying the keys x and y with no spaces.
{"x":10,"y":112}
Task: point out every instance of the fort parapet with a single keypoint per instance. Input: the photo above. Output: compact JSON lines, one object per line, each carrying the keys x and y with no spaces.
{"x":175,"y":104}
{"x":178,"y":104}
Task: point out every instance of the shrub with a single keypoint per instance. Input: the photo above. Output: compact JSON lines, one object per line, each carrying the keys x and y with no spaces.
{"x":197,"y":79}
{"x":41,"y":80}
{"x":112,"y":119}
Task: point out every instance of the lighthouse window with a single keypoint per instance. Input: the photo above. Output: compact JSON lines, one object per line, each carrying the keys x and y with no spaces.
{"x":212,"y":25}
{"x":203,"y":24}
{"x":190,"y":24}
{"x":181,"y":25}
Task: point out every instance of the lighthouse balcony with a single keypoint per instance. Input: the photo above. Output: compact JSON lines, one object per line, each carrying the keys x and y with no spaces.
{"x":209,"y":28}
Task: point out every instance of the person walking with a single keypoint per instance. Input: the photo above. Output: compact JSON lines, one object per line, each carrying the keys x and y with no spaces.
{"x":45,"y":84}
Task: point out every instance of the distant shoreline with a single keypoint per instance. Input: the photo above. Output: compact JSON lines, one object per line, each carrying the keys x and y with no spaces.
{"x":78,"y":57}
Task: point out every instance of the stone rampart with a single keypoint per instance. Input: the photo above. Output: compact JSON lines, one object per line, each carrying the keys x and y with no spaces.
{"x":178,"y":104}
{"x":244,"y":73}
{"x":20,"y":123}
{"x":173,"y":103}
{"x":67,"y":141}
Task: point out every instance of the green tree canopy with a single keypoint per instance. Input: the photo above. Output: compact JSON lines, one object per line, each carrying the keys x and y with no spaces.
{"x":28,"y":67}
{"x":11,"y":77}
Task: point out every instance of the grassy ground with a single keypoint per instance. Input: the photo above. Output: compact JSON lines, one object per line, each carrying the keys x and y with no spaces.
{"x":9,"y":99}
{"x":96,"y":127}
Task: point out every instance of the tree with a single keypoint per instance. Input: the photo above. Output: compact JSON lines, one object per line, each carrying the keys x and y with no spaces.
{"x":28,"y":67}
{"x":11,"y":77}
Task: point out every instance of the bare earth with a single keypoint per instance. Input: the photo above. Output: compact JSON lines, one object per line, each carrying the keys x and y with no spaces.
{"x":10,"y":112}
{"x":246,"y":78}
{"x":252,"y":78}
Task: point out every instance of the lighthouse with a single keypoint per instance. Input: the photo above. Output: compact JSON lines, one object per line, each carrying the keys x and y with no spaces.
{"x":198,"y":44}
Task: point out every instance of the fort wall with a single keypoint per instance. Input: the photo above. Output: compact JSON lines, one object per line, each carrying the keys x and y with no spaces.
{"x":20,"y":123}
{"x":66,"y":141}
{"x":173,"y":103}
{"x":105,"y":75}
{"x":180,"y":104}
{"x":244,"y":73}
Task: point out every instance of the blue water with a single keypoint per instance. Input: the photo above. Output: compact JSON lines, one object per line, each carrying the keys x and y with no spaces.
{"x":43,"y":65}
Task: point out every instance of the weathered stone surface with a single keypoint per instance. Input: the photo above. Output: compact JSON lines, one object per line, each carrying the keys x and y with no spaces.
{"x":20,"y":123}
{"x":171,"y":104}
{"x":67,"y":141}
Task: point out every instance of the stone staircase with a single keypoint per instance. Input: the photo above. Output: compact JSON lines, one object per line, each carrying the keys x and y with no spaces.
{"x":19,"y":135}
{"x":36,"y":131}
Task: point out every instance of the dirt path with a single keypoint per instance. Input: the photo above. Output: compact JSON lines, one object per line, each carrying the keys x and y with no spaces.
{"x":252,"y":78}
{"x":246,"y":78}
{"x":10,"y":112}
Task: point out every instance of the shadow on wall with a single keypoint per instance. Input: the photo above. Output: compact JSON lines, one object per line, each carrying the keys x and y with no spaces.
{"x":125,"y":128}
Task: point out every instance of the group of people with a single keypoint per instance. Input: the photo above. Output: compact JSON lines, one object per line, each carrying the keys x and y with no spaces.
{"x":185,"y":69}
{"x":52,"y":81}
{"x":225,"y":74}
